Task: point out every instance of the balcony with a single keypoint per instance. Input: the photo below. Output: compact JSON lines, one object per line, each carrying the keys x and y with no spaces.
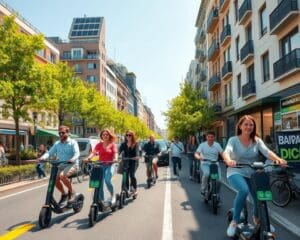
{"x":200,"y":37}
{"x":287,"y":65}
{"x":285,"y":12}
{"x":247,"y":52}
{"x":212,"y":20}
{"x":213,"y":50}
{"x":202,"y":76}
{"x":245,"y":11}
{"x":83,"y":57}
{"x":200,"y":55}
{"x":223,"y":5}
{"x":248,"y":90}
{"x":227,"y":70}
{"x":226,"y":35}
{"x":214,"y":82}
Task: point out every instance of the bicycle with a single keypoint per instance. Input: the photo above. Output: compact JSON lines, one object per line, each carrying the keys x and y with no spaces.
{"x":213,"y":185}
{"x":284,"y":188}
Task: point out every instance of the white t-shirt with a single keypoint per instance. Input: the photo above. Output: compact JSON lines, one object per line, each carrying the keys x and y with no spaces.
{"x":209,"y":152}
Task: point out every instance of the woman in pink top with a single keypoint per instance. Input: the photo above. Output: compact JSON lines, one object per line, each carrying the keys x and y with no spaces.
{"x":107,"y":152}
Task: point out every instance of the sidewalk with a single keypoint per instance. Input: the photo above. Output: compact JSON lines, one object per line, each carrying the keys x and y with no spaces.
{"x":287,"y":216}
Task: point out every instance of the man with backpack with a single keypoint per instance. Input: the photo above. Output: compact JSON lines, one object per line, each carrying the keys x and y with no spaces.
{"x":177,"y":149}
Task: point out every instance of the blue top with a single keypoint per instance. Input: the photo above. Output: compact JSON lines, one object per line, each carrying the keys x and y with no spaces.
{"x":177,"y":149}
{"x":65,"y":151}
{"x":241,"y":154}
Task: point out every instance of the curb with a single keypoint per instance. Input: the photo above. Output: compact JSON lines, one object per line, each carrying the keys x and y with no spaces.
{"x":276,"y":217}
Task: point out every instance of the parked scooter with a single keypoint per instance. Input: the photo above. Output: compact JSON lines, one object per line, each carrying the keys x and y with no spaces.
{"x":260,"y":183}
{"x":95,"y":182}
{"x":51,"y":204}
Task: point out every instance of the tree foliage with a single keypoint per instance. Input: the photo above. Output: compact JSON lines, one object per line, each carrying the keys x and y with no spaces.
{"x":188,"y":112}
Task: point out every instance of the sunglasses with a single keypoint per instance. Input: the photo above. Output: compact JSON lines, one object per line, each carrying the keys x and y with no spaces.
{"x":61,"y":133}
{"x":128,"y":135}
{"x":105,"y":134}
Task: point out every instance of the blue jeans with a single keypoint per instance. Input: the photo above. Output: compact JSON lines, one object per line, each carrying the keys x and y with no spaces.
{"x":40,"y":170}
{"x":242,"y":185}
{"x":176,"y":160}
{"x":107,"y":175}
{"x":206,"y":172}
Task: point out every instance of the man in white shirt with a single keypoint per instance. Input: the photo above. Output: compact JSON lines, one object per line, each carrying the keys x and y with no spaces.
{"x":177,"y":149}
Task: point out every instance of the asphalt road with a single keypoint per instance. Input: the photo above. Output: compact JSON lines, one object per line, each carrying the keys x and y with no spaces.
{"x":179,"y":214}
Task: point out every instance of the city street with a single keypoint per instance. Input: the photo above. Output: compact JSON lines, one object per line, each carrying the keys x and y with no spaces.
{"x":182,"y":214}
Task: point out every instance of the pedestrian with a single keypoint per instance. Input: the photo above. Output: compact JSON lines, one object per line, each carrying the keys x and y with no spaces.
{"x":244,"y":148}
{"x":130,"y":149}
{"x":3,"y":160}
{"x":191,"y":149}
{"x":107,"y":151}
{"x":177,"y":149}
{"x":40,"y":167}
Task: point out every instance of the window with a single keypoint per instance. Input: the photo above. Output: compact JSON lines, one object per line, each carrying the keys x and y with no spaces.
{"x":250,"y":73}
{"x":248,"y":32}
{"x":77,"y":68}
{"x":237,"y":48}
{"x":290,"y":42}
{"x":266,"y":67}
{"x":239,"y":86}
{"x":236,"y":10}
{"x":77,"y":53}
{"x":91,"y":65}
{"x":228,"y":94}
{"x":92,"y":55}
{"x":226,"y":55}
{"x":67,"y":55}
{"x":91,"y":78}
{"x":263,"y":20}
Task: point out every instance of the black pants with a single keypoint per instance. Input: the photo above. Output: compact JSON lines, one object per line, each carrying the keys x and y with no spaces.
{"x":131,"y":168}
{"x":176,"y":160}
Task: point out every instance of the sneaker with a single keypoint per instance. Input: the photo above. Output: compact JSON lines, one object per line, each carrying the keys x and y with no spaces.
{"x":64,"y":198}
{"x":231,"y":229}
{"x":156,"y":176}
{"x":113,"y":199}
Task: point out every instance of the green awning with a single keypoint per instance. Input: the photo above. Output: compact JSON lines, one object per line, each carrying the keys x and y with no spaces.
{"x":50,"y":133}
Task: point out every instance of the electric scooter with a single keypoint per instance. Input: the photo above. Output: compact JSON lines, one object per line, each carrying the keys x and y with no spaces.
{"x":95,"y":182}
{"x":125,"y":193}
{"x":51,"y":204}
{"x":260,"y":183}
{"x":213,"y":186}
{"x":151,"y":180}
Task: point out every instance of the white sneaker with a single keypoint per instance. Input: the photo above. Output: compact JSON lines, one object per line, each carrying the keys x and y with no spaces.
{"x":231,"y":229}
{"x":113,"y":199}
{"x":272,"y":228}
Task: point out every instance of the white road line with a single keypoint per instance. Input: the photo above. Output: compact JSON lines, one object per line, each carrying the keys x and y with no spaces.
{"x":27,"y":190}
{"x":167,"y":233}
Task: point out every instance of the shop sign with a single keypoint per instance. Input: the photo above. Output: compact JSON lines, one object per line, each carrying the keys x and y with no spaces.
{"x":291,"y":103}
{"x":288,"y":143}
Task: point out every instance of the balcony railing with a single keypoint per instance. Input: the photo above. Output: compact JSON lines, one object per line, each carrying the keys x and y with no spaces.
{"x":226,"y":34}
{"x":214,"y":81}
{"x":287,"y":64}
{"x":245,"y":11}
{"x":247,"y":51}
{"x":200,"y":55}
{"x":84,"y":57}
{"x":282,"y":14}
{"x":212,"y":20}
{"x":249,"y":89}
{"x":223,"y":5}
{"x":213,"y":50}
{"x":227,"y":69}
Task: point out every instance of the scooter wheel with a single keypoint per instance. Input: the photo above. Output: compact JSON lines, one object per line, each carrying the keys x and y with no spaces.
{"x":124,"y":198}
{"x":93,"y":215}
{"x":120,"y":201}
{"x":215,"y":204}
{"x":45,"y":217}
{"x":77,"y":206}
{"x":148,"y":183}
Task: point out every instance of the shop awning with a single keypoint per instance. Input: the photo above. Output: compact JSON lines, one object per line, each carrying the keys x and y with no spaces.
{"x":11,"y":132}
{"x":50,"y":133}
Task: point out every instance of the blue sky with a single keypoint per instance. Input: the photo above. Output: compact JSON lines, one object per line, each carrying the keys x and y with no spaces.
{"x":154,"y":39}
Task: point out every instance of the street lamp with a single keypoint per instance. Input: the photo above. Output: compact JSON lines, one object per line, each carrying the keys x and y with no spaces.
{"x":34,"y":116}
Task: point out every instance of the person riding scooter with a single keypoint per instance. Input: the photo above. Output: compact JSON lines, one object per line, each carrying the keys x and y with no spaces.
{"x":66,"y":150}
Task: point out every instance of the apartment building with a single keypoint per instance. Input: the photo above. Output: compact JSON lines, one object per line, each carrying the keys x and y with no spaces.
{"x":85,"y":50}
{"x":254,"y":63}
{"x":44,"y":121}
{"x":111,"y":86}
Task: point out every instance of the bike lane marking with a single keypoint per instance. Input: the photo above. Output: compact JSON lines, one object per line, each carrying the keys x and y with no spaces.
{"x":17,"y":231}
{"x":167,"y":233}
{"x":27,"y":190}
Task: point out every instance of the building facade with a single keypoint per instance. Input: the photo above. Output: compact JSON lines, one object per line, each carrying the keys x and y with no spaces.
{"x":254,"y":64}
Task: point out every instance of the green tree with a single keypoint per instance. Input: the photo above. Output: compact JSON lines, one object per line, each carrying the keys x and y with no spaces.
{"x":21,"y":77}
{"x":188,"y":112}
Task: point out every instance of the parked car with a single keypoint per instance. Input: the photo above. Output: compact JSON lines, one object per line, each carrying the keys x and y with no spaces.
{"x":86,"y":145}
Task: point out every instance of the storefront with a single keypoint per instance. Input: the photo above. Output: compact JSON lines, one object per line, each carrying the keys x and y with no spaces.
{"x":8,"y":137}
